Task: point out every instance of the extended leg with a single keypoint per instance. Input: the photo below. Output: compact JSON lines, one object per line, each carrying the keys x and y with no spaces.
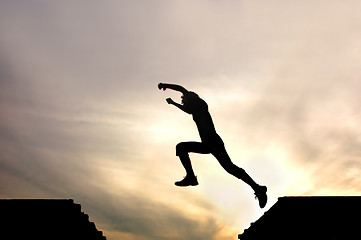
{"x":231,"y":168}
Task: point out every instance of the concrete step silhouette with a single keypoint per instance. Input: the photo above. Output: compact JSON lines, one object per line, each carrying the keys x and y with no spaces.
{"x":45,"y":219}
{"x":313,"y":217}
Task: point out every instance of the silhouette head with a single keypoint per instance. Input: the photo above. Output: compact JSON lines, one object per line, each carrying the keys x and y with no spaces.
{"x":188,"y":98}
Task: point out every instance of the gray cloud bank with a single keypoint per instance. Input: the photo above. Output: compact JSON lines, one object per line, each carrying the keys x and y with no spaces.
{"x":78,"y":82}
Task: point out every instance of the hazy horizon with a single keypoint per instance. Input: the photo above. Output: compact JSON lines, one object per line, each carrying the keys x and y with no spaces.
{"x":82,"y":117}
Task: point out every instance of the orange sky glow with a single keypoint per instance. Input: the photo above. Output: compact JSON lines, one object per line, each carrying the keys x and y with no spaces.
{"x":82,"y":117}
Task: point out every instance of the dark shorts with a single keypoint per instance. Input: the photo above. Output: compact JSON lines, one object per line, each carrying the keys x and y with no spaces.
{"x":210,"y":146}
{"x":214,"y":146}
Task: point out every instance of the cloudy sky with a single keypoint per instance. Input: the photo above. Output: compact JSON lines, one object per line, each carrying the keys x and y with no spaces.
{"x":81,"y":116}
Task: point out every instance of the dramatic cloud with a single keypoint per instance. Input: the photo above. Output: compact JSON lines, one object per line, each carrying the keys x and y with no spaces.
{"x":81,"y":116}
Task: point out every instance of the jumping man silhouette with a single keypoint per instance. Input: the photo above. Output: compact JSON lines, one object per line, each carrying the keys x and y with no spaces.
{"x":211,"y":142}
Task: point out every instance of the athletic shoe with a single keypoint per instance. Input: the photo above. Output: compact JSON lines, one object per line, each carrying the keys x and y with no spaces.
{"x":261,"y":196}
{"x":187,"y":181}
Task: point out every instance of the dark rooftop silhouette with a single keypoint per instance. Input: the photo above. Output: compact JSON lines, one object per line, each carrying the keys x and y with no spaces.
{"x":45,"y":219}
{"x":336,"y":218}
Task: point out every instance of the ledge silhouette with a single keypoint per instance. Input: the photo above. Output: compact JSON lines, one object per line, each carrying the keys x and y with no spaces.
{"x":313,"y":217}
{"x":45,"y":219}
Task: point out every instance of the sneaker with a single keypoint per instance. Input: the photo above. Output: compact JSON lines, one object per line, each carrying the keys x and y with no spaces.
{"x":261,"y":196}
{"x":187,"y":181}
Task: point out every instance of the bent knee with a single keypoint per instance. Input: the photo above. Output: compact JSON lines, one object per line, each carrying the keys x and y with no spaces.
{"x":180,"y":149}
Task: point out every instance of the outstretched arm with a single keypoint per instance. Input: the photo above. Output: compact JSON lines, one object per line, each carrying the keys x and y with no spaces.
{"x":174,"y":87}
{"x":180,"y":106}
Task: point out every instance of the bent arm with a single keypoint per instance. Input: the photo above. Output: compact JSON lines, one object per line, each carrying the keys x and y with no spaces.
{"x":180,"y":106}
{"x":174,"y":87}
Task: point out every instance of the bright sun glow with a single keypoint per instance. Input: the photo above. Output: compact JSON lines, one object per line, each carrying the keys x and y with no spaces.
{"x":82,"y":117}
